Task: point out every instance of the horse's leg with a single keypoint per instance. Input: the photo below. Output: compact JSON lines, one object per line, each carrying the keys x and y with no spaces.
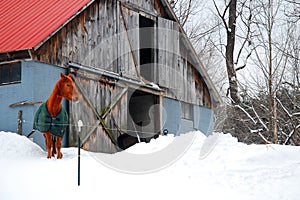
{"x":53,"y":145}
{"x":48,"y":140}
{"x":58,"y":145}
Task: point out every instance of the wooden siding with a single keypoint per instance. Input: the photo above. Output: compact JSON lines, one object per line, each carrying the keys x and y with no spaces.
{"x":176,"y":74}
{"x":87,"y":39}
{"x":106,"y":36}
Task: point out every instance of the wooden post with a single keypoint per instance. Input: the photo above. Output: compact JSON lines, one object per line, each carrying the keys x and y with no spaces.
{"x":20,"y":116}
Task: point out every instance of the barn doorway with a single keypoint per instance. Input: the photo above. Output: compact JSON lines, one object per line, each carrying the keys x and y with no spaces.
{"x":146,"y":26}
{"x":143,"y":115}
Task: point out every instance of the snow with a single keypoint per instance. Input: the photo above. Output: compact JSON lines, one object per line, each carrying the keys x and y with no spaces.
{"x":214,"y":167}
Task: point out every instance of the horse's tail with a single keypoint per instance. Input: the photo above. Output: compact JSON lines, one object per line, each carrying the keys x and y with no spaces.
{"x":53,"y":144}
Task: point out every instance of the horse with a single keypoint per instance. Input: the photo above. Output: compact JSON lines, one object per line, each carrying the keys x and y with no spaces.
{"x":51,"y":118}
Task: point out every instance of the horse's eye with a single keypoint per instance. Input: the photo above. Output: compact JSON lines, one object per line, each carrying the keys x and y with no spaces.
{"x":68,"y":84}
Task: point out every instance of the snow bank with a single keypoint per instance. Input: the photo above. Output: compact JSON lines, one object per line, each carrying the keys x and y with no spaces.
{"x":214,"y":167}
{"x":13,"y":146}
{"x":154,"y":145}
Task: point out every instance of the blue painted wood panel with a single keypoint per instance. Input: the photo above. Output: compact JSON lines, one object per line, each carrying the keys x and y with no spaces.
{"x":203,"y":119}
{"x":171,"y":115}
{"x":206,"y":120}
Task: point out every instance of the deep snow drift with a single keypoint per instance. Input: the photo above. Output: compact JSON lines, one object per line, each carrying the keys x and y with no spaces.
{"x":217,"y":167}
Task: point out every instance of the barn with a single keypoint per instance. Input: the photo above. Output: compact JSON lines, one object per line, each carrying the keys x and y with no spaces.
{"x":136,"y":70}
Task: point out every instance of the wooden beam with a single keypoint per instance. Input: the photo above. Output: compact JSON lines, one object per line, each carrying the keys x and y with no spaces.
{"x":21,"y":103}
{"x":114,"y":102}
{"x":90,"y":133}
{"x":129,"y":42}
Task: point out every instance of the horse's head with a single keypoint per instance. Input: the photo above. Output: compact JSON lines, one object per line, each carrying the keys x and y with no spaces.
{"x":67,"y":88}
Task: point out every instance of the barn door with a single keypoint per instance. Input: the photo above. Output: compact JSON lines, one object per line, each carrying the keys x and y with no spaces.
{"x":168,"y":52}
{"x":102,"y":109}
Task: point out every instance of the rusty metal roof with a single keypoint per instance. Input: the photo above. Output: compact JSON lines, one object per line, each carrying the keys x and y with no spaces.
{"x":26,"y":23}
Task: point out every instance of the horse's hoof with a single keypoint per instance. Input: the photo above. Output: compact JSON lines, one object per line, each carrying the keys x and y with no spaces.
{"x":49,"y":157}
{"x":59,"y":156}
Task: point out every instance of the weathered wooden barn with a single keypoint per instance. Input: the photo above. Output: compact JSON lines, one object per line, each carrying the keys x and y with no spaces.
{"x":138,"y":73}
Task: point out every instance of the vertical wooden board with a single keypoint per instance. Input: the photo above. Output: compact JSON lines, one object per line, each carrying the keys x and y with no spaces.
{"x":177,"y":77}
{"x":183,"y":84}
{"x":176,"y":51}
{"x":123,"y":46}
{"x":134,"y":39}
{"x":162,"y":26}
{"x":98,"y":37}
{"x":168,"y":44}
{"x":170,"y":55}
{"x":155,"y":47}
{"x":192,"y":95}
{"x":188,"y":86}
{"x":120,"y":41}
{"x":193,"y":88}
{"x":176,"y":38}
{"x":64,"y":43}
{"x":109,"y":36}
{"x":181,"y":79}
{"x":165,"y":74}
{"x":124,"y":111}
{"x":129,"y":31}
{"x":59,"y":49}
{"x":115,"y":24}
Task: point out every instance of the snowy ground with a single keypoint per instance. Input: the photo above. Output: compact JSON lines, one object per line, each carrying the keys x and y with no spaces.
{"x":217,"y":167}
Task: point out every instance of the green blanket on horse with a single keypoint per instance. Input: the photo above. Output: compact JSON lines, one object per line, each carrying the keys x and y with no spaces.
{"x":44,"y":122}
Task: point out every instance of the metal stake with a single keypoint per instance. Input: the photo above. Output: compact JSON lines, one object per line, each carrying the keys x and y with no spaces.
{"x":80,"y":124}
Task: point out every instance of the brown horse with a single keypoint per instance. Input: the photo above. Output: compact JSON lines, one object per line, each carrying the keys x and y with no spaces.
{"x":64,"y":88}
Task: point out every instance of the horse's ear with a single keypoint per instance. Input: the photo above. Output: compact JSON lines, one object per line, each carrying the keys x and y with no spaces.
{"x":62,"y":75}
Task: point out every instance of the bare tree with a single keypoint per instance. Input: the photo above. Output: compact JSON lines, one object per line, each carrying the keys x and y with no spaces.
{"x":230,"y":27}
{"x":265,"y":95}
{"x":292,"y":10}
{"x":270,"y":107}
{"x":271,"y":64}
{"x":236,"y":17}
{"x":184,"y":9}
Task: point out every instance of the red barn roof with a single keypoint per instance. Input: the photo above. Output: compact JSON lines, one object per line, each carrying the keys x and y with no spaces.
{"x":26,"y":23}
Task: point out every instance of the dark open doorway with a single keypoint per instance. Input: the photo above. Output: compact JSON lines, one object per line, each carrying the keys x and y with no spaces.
{"x":143,"y":114}
{"x":146,"y":48}
{"x":143,"y":119}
